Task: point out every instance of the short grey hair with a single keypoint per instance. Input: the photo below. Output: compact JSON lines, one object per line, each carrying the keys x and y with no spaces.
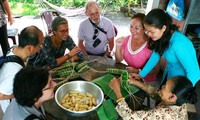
{"x":89,"y":3}
{"x":57,"y":21}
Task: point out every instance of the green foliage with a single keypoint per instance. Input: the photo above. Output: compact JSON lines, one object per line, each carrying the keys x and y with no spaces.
{"x":24,"y":9}
{"x":30,"y":7}
{"x":56,"y":2}
{"x":79,"y":3}
{"x":22,"y":1}
{"x":117,"y":4}
{"x":68,"y":3}
{"x":113,"y":4}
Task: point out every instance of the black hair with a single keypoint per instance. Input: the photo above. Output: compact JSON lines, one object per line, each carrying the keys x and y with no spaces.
{"x":28,"y":85}
{"x":140,"y":16}
{"x":184,"y":90}
{"x":158,"y":18}
{"x":29,"y":36}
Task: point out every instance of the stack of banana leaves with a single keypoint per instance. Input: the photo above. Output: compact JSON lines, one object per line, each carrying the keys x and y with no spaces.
{"x":69,"y":71}
{"x":85,"y":70}
{"x":72,"y":69}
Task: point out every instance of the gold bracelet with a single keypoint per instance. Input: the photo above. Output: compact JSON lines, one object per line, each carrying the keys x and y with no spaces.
{"x":120,"y":99}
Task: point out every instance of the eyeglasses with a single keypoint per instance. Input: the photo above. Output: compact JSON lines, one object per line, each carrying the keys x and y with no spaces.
{"x":63,"y":31}
{"x":148,"y":32}
{"x":96,"y":32}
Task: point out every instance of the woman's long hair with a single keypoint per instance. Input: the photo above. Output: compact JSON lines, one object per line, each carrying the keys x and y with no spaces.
{"x":184,"y":90}
{"x":158,"y":18}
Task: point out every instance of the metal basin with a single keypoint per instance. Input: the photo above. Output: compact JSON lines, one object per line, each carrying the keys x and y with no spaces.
{"x":82,"y":86}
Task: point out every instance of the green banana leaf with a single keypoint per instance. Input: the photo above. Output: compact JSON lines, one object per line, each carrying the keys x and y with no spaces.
{"x":107,"y":111}
{"x":103,"y":83}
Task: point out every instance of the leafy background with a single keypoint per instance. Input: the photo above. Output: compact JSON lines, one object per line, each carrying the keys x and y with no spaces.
{"x":33,"y":7}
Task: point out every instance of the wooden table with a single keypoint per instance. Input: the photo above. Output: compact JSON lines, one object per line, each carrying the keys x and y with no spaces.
{"x":54,"y":112}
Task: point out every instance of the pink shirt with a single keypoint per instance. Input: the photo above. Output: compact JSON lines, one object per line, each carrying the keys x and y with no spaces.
{"x":137,"y":58}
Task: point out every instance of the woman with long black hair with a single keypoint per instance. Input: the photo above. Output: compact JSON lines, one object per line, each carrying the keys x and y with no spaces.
{"x":167,"y":42}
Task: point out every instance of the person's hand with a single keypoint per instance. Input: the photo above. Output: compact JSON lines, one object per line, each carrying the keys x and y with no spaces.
{"x":6,"y":97}
{"x":107,"y":54}
{"x":132,"y":81}
{"x":74,"y":51}
{"x":115,"y":85}
{"x":135,"y":76}
{"x":10,"y":20}
{"x":48,"y":93}
{"x":119,"y":41}
{"x":54,"y":84}
{"x":132,"y":69}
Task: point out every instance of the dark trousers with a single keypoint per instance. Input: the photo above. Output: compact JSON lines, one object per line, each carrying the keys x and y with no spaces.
{"x":101,"y":54}
{"x":4,"y":39}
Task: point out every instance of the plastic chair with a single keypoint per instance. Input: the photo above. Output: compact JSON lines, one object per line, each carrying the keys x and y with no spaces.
{"x":47,"y":17}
